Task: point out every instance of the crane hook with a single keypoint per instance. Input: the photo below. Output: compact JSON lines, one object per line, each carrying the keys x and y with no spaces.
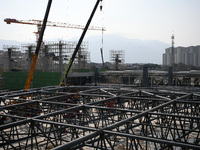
{"x":101,"y":6}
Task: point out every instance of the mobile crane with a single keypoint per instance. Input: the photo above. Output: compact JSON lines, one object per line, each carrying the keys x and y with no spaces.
{"x":80,"y":41}
{"x":41,"y":28}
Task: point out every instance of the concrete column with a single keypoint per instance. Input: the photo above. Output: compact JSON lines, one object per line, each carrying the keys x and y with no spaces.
{"x":45,"y":59}
{"x":96,"y":76}
{"x":9,"y":59}
{"x":145,"y":80}
{"x":170,"y":76}
{"x":60,"y":60}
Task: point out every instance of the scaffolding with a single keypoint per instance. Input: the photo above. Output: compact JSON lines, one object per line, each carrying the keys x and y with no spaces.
{"x":53,"y":57}
{"x":12,"y":57}
{"x":52,"y":61}
{"x":82,"y":59}
{"x":106,"y":117}
{"x":117,"y":58}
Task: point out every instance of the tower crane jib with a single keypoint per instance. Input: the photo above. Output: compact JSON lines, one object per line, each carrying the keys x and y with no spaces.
{"x":51,"y":24}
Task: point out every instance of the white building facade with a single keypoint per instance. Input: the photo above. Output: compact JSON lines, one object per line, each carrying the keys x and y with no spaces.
{"x":186,"y":55}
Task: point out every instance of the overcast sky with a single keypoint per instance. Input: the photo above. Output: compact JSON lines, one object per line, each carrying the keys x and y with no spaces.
{"x":135,"y":19}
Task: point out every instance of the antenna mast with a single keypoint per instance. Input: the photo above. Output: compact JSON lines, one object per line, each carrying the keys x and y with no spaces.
{"x":172,"y":55}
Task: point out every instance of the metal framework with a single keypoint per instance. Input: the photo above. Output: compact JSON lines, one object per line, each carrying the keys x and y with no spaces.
{"x":10,"y":57}
{"x":117,"y":57}
{"x":155,"y":78}
{"x":106,"y":117}
{"x":50,"y":24}
{"x":54,"y":56}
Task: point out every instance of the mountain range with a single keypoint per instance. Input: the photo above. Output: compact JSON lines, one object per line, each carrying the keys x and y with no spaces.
{"x":8,"y":42}
{"x":136,"y":51}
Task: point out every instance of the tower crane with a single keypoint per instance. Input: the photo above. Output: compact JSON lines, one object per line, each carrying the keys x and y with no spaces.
{"x":51,"y":24}
{"x":41,"y":28}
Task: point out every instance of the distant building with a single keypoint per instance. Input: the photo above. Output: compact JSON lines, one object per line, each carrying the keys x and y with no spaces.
{"x":1,"y":58}
{"x":186,"y":55}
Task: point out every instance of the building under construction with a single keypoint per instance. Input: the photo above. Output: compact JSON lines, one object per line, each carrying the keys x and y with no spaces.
{"x":53,"y":57}
{"x":117,"y":58}
{"x":93,"y":117}
{"x":106,"y":116}
{"x":52,"y":61}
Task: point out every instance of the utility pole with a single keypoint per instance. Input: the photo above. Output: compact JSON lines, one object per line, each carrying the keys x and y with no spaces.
{"x":170,"y":71}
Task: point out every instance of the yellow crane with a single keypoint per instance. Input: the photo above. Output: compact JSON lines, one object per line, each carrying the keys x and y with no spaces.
{"x":39,"y":24}
{"x":51,"y":24}
{"x":41,"y":28}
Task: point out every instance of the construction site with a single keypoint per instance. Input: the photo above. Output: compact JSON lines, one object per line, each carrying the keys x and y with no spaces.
{"x":52,"y":61}
{"x":53,"y":97}
{"x":100,"y":117}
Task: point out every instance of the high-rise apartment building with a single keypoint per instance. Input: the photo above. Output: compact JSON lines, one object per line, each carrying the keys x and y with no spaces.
{"x":186,"y":55}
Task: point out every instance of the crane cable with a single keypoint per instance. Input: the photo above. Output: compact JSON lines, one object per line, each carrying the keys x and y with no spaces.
{"x":67,"y":18}
{"x":65,"y":75}
{"x":101,"y":49}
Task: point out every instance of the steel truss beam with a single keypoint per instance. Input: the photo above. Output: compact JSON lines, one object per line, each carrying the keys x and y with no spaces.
{"x":83,"y":117}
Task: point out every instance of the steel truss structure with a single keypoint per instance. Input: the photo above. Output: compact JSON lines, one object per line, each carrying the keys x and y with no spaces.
{"x":85,"y":117}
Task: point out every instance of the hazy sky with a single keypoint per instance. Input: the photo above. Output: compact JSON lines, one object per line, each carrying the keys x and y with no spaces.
{"x":136,"y":19}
